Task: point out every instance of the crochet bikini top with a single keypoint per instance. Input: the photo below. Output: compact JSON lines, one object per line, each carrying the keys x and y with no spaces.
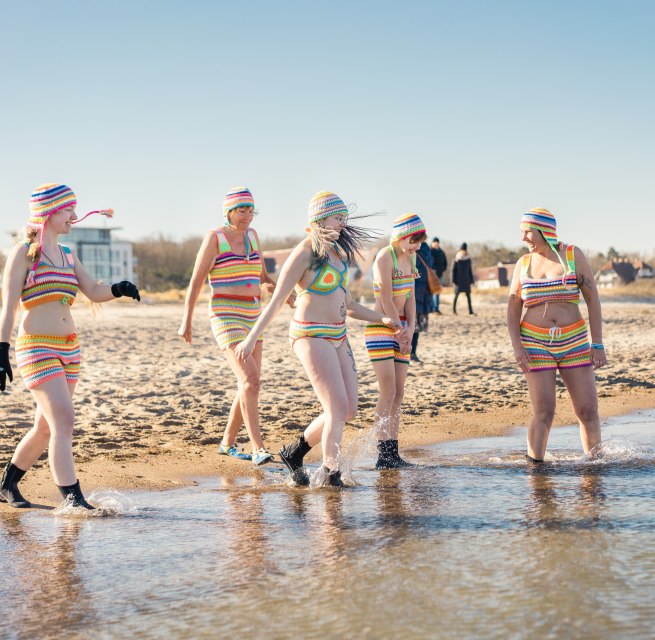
{"x":328,"y":279}
{"x":234,"y":269}
{"x":401,"y":284}
{"x":564,"y":288}
{"x":48,"y":283}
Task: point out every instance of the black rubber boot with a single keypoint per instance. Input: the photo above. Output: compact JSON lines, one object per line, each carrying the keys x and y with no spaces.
{"x":9,"y":487}
{"x":333,"y":478}
{"x":396,"y":455}
{"x":73,"y":495}
{"x":292,"y":455}
{"x":385,"y":455}
{"x":532,"y":460}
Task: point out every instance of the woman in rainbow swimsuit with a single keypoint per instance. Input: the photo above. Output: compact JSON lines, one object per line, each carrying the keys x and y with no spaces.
{"x":318,"y":266}
{"x":231,"y":258}
{"x":44,"y":277}
{"x":394,"y":272}
{"x":552,"y":333}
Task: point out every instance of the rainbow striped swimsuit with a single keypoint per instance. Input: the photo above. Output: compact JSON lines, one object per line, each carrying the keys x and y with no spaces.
{"x":382,"y":344}
{"x":41,"y":358}
{"x":48,"y":283}
{"x":233,"y":316}
{"x":536,"y":291}
{"x":556,"y":347}
{"x":233,"y":269}
{"x":334,"y":333}
{"x":401,"y":284}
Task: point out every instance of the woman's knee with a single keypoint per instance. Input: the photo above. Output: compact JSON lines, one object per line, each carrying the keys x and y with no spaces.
{"x":338,"y":411}
{"x":588,"y":412}
{"x":251,"y":384}
{"x":545,"y":415}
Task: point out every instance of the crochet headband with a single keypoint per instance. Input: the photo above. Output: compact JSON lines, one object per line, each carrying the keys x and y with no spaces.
{"x":406,"y":225}
{"x":325,"y":204}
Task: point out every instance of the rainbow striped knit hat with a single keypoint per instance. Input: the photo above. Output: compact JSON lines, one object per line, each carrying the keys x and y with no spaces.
{"x":47,"y":199}
{"x":541,"y":220}
{"x":325,"y":204}
{"x":237,"y":197}
{"x":406,"y":225}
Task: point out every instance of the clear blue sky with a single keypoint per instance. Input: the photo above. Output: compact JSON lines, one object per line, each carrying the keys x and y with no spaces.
{"x":467,"y":112}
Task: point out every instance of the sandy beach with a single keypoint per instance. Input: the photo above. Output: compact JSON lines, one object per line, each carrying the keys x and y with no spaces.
{"x":151,"y":409}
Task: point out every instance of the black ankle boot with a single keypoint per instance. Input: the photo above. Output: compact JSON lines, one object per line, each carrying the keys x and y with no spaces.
{"x":386,"y":458}
{"x":396,"y":455}
{"x":9,"y":487}
{"x":333,"y":478}
{"x":73,"y":495}
{"x":292,"y":455}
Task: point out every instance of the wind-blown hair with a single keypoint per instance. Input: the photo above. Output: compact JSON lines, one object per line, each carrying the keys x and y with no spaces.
{"x":348,"y":245}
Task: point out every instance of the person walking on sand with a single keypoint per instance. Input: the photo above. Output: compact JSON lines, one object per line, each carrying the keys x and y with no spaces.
{"x":552,"y":335}
{"x":422,"y":296}
{"x":44,"y":277}
{"x":231,"y":258}
{"x":439,"y":264}
{"x":394,"y":273}
{"x":318,"y":267}
{"x":462,"y":276}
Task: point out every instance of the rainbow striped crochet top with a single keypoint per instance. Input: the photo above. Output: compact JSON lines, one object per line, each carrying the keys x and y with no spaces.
{"x":233,"y":269}
{"x":48,"y":283}
{"x":536,"y":291}
{"x":401,"y":284}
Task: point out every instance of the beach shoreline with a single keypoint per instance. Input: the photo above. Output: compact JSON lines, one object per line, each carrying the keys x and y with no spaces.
{"x":151,"y":408}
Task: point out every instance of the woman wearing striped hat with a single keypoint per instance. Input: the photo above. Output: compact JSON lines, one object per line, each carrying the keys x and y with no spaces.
{"x":318,"y":267}
{"x":548,"y":331}
{"x":44,"y":277}
{"x":230,"y":258}
{"x":394,"y":273}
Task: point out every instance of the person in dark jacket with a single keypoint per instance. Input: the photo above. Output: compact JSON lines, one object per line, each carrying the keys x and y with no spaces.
{"x":462,"y":276}
{"x":423,"y":296}
{"x":439,"y":264}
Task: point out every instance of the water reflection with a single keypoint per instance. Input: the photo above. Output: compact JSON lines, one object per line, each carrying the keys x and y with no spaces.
{"x":476,"y":544}
{"x":42,"y":582}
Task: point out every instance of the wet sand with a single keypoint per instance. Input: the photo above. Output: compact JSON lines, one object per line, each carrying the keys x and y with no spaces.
{"x":151,"y":409}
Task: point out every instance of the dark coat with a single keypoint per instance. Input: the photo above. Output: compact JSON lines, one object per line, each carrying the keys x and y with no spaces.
{"x":439,"y":261}
{"x":462,"y":272}
{"x":421,"y":290}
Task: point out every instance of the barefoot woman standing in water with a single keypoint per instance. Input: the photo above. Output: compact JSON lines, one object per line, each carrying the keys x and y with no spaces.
{"x":548,"y":331}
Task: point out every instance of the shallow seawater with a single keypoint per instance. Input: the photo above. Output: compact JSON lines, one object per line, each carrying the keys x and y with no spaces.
{"x":470,"y":544}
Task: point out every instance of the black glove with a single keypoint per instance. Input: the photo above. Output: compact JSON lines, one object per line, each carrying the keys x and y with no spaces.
{"x":125,"y":288}
{"x":5,"y":366}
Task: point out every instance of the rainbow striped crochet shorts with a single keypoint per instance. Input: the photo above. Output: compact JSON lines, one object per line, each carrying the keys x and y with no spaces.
{"x":232,"y":318}
{"x":558,"y":347}
{"x":382,"y":344}
{"x":335,"y":334}
{"x":42,"y":358}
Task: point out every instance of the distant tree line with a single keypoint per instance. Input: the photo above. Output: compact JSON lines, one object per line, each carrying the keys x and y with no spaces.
{"x":164,"y":263}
